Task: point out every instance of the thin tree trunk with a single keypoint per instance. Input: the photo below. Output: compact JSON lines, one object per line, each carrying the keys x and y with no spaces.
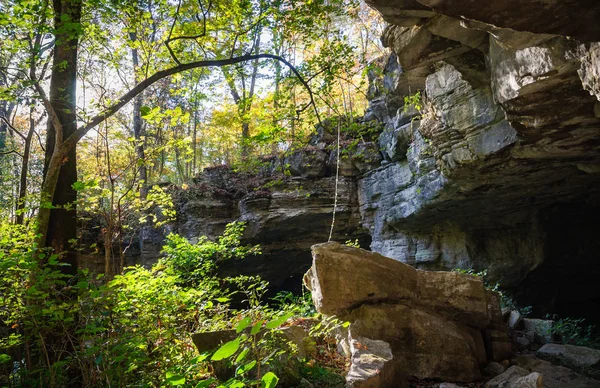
{"x":20,"y":211}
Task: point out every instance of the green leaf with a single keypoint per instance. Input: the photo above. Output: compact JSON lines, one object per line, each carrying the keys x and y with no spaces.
{"x":244,"y":323}
{"x":245,"y":368}
{"x":4,"y":358}
{"x":227,"y":350}
{"x":206,"y":383}
{"x":279,"y":321}
{"x":174,"y":379}
{"x":269,"y":380}
{"x":201,"y":357}
{"x":256,"y":327}
{"x":145,"y":110}
{"x":242,"y":355}
{"x":222,"y":300}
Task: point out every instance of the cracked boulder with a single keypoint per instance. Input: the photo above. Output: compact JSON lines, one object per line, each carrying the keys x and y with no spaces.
{"x":439,"y":325}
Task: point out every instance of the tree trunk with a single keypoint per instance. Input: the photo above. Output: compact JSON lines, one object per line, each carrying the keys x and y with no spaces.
{"x":20,"y":211}
{"x":140,"y":140}
{"x":61,"y":232}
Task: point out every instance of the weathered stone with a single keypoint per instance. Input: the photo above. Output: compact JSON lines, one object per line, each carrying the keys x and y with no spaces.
{"x":589,"y":71}
{"x":532,"y":380}
{"x":507,"y":378}
{"x":394,"y":142}
{"x":514,"y":318}
{"x":538,"y":330}
{"x":576,"y":18}
{"x":432,"y":320}
{"x":373,"y":365}
{"x":494,"y":369}
{"x":308,"y":163}
{"x":305,"y":345}
{"x":209,"y":341}
{"x":337,"y":269}
{"x":582,"y":359}
{"x":555,"y":376}
{"x":426,"y":345}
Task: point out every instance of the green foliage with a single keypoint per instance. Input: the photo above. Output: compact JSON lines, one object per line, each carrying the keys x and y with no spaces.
{"x":354,"y":244}
{"x":575,"y":331}
{"x":302,"y":306}
{"x":506,"y":301}
{"x":196,"y":262}
{"x":413,"y":101}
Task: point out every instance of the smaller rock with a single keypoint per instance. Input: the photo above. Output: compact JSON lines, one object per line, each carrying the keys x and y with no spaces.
{"x":494,"y":369}
{"x":505,"y":379}
{"x":209,"y":341}
{"x":298,"y":336}
{"x":449,"y":385}
{"x":514,"y":318}
{"x":581,"y":359}
{"x":372,"y":365}
{"x":538,"y":330}
{"x":522,"y":342}
{"x":532,"y":380}
{"x":555,"y":376}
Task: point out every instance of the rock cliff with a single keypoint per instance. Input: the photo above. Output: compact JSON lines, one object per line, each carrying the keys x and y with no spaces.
{"x":494,"y":165}
{"x":499,"y":170}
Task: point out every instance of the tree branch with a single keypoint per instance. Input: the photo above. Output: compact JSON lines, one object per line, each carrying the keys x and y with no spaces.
{"x":72,"y":140}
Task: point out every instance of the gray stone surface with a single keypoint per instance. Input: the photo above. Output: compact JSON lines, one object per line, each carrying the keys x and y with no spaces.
{"x":582,"y":359}
{"x":538,"y":330}
{"x":555,"y":376}
{"x":372,"y":365}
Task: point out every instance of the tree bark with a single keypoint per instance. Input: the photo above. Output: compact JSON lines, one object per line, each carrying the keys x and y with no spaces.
{"x":20,"y":210}
{"x":61,"y":232}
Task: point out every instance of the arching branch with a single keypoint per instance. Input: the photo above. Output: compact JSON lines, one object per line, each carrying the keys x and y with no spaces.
{"x":74,"y":138}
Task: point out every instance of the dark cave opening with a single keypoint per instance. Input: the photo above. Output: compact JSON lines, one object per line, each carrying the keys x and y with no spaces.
{"x":567,"y":283}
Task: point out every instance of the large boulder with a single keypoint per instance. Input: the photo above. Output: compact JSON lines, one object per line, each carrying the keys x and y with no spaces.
{"x":440,"y":325}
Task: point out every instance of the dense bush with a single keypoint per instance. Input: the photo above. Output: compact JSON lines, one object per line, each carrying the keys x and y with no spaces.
{"x":135,"y":330}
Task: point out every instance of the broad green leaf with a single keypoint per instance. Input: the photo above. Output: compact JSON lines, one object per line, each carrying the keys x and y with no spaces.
{"x":269,"y":380}
{"x":227,"y":350}
{"x":245,"y":368}
{"x":256,"y":328}
{"x":145,"y":110}
{"x":4,"y":358}
{"x":222,"y":300}
{"x":244,"y":323}
{"x":278,"y":321}
{"x":201,"y":357}
{"x":174,"y":379}
{"x":242,"y":355}
{"x":206,"y":383}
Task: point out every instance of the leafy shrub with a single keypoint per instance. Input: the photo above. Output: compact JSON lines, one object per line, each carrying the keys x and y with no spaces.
{"x":575,"y":331}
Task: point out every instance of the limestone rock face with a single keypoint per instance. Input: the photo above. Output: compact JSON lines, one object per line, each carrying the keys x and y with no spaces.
{"x":506,"y":144}
{"x":440,"y":325}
